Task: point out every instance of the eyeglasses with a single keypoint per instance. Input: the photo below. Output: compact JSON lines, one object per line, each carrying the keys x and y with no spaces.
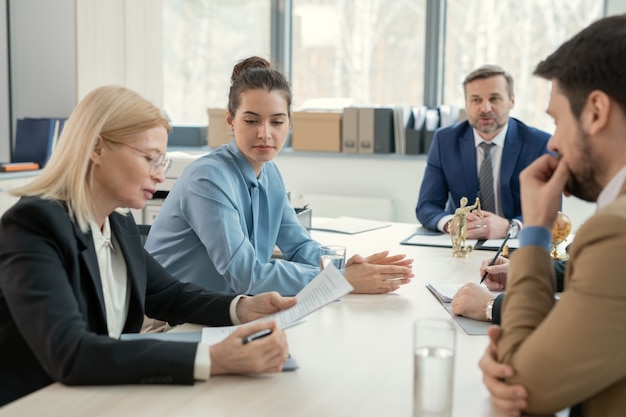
{"x":157,"y":162}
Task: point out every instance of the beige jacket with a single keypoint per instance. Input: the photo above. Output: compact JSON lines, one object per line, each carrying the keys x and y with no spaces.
{"x":575,"y":351}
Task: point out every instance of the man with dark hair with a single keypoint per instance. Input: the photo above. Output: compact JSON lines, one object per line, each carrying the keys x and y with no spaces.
{"x":571,"y":353}
{"x":480,"y":157}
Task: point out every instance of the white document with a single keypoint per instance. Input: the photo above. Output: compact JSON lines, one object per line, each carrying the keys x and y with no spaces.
{"x":325,"y":288}
{"x":349,"y":225}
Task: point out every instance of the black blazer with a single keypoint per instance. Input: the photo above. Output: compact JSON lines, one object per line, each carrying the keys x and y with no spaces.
{"x":52,"y":316}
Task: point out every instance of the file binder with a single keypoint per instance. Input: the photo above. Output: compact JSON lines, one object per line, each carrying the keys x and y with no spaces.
{"x":35,"y":139}
{"x":350,"y":129}
{"x":376,"y":130}
{"x":430,"y":125}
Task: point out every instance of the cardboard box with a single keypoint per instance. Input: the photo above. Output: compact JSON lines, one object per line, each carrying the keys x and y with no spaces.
{"x":316,"y":131}
{"x":219,"y":132}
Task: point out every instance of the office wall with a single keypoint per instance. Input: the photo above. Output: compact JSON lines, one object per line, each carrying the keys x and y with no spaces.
{"x":119,"y":42}
{"x":62,"y":49}
{"x":43,"y":58}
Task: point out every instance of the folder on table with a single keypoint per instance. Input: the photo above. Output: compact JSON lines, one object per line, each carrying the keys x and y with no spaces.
{"x":444,"y":294}
{"x":426,"y":237}
{"x":349,"y":225}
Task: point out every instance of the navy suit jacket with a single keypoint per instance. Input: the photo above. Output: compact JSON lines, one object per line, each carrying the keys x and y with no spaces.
{"x":451,"y":170}
{"x":52,"y":315}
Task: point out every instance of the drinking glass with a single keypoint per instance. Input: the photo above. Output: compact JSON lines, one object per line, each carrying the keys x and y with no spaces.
{"x":333,"y":254}
{"x":433,"y":378}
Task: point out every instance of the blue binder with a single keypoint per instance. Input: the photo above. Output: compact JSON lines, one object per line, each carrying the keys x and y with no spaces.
{"x":35,"y":139}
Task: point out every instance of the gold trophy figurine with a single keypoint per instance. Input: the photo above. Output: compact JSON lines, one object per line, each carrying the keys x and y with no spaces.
{"x":560,"y":231}
{"x":457,"y":227}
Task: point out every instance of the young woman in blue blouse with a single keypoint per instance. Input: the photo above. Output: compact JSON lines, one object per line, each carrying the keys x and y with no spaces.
{"x":220,"y":223}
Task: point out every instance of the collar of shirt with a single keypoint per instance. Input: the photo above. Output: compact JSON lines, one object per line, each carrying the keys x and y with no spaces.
{"x":498,"y":139}
{"x":612,"y":189}
{"x":102,"y":238}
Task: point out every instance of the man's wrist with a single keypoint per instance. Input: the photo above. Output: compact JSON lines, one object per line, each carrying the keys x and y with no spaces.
{"x":514,"y":228}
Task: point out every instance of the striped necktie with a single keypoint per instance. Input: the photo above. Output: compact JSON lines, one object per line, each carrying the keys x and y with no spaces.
{"x":485,"y":179}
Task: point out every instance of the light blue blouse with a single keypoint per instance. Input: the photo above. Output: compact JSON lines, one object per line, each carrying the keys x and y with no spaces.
{"x":219,"y":225}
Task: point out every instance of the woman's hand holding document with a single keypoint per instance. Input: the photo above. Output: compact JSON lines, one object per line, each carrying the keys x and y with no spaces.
{"x":325,"y":288}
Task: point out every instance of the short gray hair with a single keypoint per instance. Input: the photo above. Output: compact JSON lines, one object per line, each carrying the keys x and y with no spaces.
{"x":488,"y":71}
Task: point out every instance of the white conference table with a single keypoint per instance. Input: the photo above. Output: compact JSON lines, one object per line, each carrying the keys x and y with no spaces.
{"x":354,"y":355}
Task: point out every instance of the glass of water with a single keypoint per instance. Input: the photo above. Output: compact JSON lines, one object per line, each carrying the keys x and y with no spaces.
{"x":333,"y":254}
{"x":433,"y":355}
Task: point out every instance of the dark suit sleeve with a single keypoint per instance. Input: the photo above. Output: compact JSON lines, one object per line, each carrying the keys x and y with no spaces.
{"x":433,"y":193}
{"x":559,"y":272}
{"x":176,"y":302}
{"x":497,"y":309}
{"x":54,"y":328}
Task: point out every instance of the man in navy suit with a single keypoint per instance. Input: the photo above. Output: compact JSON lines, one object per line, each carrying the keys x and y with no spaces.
{"x":456,"y":156}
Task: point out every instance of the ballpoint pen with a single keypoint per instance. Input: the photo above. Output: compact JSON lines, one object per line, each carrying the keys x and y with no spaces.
{"x":495,"y":258}
{"x":256,"y":336}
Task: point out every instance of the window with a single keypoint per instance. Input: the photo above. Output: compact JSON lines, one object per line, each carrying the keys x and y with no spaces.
{"x":515,"y":35}
{"x":369,"y":50}
{"x":203,"y":40}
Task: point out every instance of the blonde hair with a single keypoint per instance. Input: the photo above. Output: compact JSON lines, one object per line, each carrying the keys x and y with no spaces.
{"x":114,"y":113}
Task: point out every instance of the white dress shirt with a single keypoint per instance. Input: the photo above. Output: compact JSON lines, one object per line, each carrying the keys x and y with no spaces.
{"x":113,"y":277}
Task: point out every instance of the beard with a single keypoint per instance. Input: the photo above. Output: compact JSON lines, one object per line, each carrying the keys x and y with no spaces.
{"x":490,"y":128}
{"x":583,"y":181}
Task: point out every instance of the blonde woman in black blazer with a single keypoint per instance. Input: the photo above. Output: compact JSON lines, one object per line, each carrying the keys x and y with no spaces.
{"x":74,"y":274}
